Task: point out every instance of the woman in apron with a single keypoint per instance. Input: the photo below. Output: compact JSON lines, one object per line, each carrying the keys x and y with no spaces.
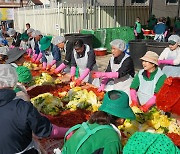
{"x":37,"y":55}
{"x":50,"y":53}
{"x":170,"y":57}
{"x":67,"y":46}
{"x":119,"y":72}
{"x":31,"y":42}
{"x":147,"y":82}
{"x":84,"y":58}
{"x":15,"y":36}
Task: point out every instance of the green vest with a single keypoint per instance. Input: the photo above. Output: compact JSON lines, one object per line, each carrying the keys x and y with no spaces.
{"x":83,"y":140}
{"x":138,"y":27}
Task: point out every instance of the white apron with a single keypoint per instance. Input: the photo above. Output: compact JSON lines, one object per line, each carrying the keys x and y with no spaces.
{"x":49,"y":56}
{"x":146,"y":88}
{"x":172,"y":70}
{"x":122,"y":83}
{"x":82,"y":63}
{"x":159,"y":37}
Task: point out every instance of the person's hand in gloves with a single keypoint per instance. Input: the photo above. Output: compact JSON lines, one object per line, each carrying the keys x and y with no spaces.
{"x":84,"y":74}
{"x":44,"y":66}
{"x":51,"y":64}
{"x":148,"y":104}
{"x":58,"y":132}
{"x":38,"y":58}
{"x":167,"y":61}
{"x":134,"y":98}
{"x":103,"y":84}
{"x":60,"y":68}
{"x":105,"y":74}
{"x":12,"y":47}
{"x":78,"y":82}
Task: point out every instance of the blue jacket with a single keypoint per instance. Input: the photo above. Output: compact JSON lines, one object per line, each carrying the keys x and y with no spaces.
{"x":160,"y":28}
{"x":55,"y":52}
{"x":36,"y":48}
{"x":18,"y":119}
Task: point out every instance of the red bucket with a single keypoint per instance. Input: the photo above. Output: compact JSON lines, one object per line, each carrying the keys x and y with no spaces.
{"x":147,"y":32}
{"x":100,"y":51}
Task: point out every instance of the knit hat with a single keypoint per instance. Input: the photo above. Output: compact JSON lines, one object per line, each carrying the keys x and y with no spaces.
{"x":116,"y":103}
{"x":120,"y":44}
{"x":8,"y":76}
{"x":11,"y":32}
{"x":24,"y":36}
{"x":14,"y":54}
{"x":58,"y":39}
{"x":24,"y":74}
{"x":3,"y":50}
{"x":148,"y":143}
{"x":30,"y":30}
{"x":45,"y":42}
{"x":36,"y":33}
{"x":151,"y":56}
{"x":173,"y":39}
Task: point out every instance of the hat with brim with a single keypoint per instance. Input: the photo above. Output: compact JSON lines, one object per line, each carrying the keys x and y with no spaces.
{"x":45,"y":43}
{"x":14,"y":54}
{"x":151,"y":57}
{"x":117,"y":106}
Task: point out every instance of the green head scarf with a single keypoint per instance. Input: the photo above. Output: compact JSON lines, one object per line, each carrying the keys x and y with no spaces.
{"x":24,"y":74}
{"x":148,"y":143}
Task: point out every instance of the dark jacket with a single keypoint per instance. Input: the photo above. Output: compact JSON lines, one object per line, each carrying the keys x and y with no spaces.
{"x":18,"y":119}
{"x":16,"y":40}
{"x":55,"y":53}
{"x":126,"y":68}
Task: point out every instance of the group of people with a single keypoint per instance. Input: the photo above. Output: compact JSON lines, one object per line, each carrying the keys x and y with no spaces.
{"x":161,"y":27}
{"x":124,"y":89}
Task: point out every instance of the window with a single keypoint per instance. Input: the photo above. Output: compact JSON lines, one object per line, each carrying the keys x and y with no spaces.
{"x":138,"y":1}
{"x":171,"y":2}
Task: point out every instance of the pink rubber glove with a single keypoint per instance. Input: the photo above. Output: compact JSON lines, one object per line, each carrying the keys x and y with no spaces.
{"x":167,"y":61}
{"x":105,"y":74}
{"x":38,"y":58}
{"x":51,"y":64}
{"x":58,"y":132}
{"x":84,"y":74}
{"x":29,"y":51}
{"x":44,"y":66}
{"x":60,"y":68}
{"x":134,"y":98}
{"x":103,"y":84}
{"x":165,"y":33}
{"x":135,"y":33}
{"x":73,"y":71}
{"x":12,"y":46}
{"x":148,"y":104}
{"x":78,"y":82}
{"x":34,"y":57}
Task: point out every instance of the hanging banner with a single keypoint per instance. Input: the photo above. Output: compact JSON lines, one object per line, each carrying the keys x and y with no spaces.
{"x":6,"y":14}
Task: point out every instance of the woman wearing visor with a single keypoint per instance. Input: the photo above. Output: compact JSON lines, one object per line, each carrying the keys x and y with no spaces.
{"x":170,"y":57}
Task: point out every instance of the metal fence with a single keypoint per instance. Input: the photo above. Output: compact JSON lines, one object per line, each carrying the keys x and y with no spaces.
{"x":70,"y":19}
